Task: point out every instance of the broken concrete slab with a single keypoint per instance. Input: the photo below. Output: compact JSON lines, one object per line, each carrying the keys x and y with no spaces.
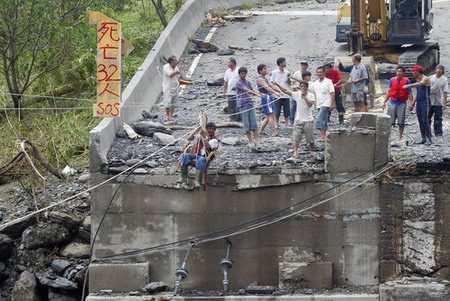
{"x":120,"y":278}
{"x":296,"y":275}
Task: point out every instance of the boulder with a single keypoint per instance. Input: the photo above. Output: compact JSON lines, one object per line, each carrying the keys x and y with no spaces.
{"x":232,"y":140}
{"x":25,"y":289}
{"x":15,"y":228}
{"x":65,"y":219}
{"x":163,"y":139}
{"x":154,"y":287}
{"x":76,"y":250}
{"x":6,"y":246}
{"x":148,"y":128}
{"x":226,"y":51}
{"x":217,"y":80}
{"x":59,"y":265}
{"x":56,"y":281}
{"x":3,"y":272}
{"x":45,"y":235}
{"x":149,"y":115}
{"x":84,"y":234}
{"x":87,"y":221}
{"x":84,"y":178}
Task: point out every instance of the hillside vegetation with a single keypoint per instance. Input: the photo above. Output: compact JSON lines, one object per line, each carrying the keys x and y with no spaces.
{"x":47,"y":44}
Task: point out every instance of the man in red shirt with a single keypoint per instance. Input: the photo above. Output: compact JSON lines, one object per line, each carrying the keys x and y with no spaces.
{"x":336,"y":78}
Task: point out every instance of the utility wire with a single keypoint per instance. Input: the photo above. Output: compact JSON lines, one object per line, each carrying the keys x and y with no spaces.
{"x":203,"y":238}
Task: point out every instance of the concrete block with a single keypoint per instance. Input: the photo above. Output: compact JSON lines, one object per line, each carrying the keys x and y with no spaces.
{"x":382,"y":149}
{"x":120,"y":278}
{"x":340,"y":143}
{"x":364,"y":119}
{"x":295,"y":275}
{"x":362,"y":229}
{"x":415,"y":291}
{"x":361,"y":264}
{"x":383,"y":125}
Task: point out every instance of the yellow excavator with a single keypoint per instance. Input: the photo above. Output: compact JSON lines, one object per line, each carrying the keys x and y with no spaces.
{"x":394,"y":31}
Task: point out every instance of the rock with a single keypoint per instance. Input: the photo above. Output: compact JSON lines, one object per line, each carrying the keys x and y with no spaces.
{"x":57,"y":295}
{"x":134,"y":293}
{"x":84,"y":234}
{"x":84,"y":178}
{"x":6,"y":246}
{"x":2,"y":215}
{"x":148,"y":128}
{"x":15,"y":228}
{"x":225,"y":52}
{"x":231,"y":140}
{"x":192,"y":50}
{"x":80,"y":275}
{"x":45,"y":235}
{"x":163,"y":139}
{"x":87,"y":221}
{"x":56,"y":281}
{"x":25,"y":288}
{"x":75,"y":249}
{"x":3,"y":272}
{"x":154,"y":287}
{"x":147,"y":114}
{"x":152,"y":164}
{"x":446,"y":158}
{"x":217,"y":80}
{"x":59,"y":265}
{"x":65,"y":219}
{"x":132,"y":162}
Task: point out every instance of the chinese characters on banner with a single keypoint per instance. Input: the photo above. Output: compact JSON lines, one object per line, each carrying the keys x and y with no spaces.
{"x":109,"y":65}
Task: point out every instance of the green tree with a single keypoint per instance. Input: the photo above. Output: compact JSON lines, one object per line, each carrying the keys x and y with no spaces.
{"x":35,"y":36}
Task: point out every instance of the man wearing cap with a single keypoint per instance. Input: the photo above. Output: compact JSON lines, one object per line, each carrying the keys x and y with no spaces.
{"x":336,"y":77}
{"x":439,"y":91}
{"x":423,"y":103}
{"x":398,"y":97}
{"x":297,"y":77}
{"x":282,"y":77}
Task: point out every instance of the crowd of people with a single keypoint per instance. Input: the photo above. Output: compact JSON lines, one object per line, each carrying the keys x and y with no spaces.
{"x":297,"y":96}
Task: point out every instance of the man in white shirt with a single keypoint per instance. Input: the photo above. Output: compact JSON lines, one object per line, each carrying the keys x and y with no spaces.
{"x":297,"y":77}
{"x":304,"y":119}
{"x":439,"y":92}
{"x":281,"y":76}
{"x":323,"y":88}
{"x":170,"y":85}
{"x":229,"y":88}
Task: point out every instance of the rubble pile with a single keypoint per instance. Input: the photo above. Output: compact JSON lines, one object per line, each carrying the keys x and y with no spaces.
{"x":44,"y":257}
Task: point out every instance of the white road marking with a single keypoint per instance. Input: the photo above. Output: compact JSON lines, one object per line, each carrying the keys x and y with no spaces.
{"x":197,"y":59}
{"x":294,"y":13}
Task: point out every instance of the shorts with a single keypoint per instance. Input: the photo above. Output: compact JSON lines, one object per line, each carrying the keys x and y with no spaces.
{"x":248,"y":118}
{"x":304,"y":128}
{"x":170,"y":99}
{"x":397,"y":112}
{"x":282,"y":102}
{"x":358,"y":96}
{"x":268,"y":104}
{"x":322,"y":118}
